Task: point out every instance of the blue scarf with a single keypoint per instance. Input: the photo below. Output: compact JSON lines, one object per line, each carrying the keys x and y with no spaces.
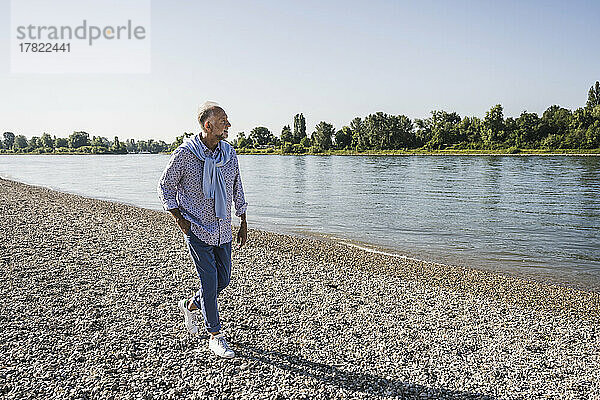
{"x":213,"y":182}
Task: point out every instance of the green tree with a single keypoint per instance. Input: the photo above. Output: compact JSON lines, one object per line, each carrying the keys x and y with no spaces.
{"x":441,"y":130}
{"x":261,"y":136}
{"x":162,"y":146}
{"x":20,"y":142}
{"x":286,"y":134}
{"x":322,"y":137}
{"x":401,"y":132}
{"x":154,"y":146}
{"x":99,"y":141}
{"x":299,"y":128}
{"x":593,"y":96}
{"x":596,"y":112}
{"x":119,"y":148}
{"x":424,"y":131}
{"x":33,"y":143}
{"x":9,"y":140}
{"x":382,"y":131}
{"x":360,"y":140}
{"x":510,"y":139}
{"x":287,"y":147}
{"x":592,"y":136}
{"x":131,"y":146}
{"x":552,"y":142}
{"x":374,"y":129}
{"x":46,"y":141}
{"x":494,"y":127}
{"x":343,"y":138}
{"x":60,"y":142}
{"x":581,"y":118}
{"x":78,"y":139}
{"x":241,"y":141}
{"x":470,"y":129}
{"x":142,"y":146}
{"x":304,"y":143}
{"x":528,"y":132}
{"x":556,"y":120}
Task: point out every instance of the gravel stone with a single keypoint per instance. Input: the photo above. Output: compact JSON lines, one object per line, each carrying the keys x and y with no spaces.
{"x":89,"y":293}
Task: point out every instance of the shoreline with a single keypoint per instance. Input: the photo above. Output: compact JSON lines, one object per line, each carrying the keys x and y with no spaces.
{"x":549,"y":278}
{"x":90,"y":289}
{"x":439,"y":272}
{"x":594,"y":153}
{"x":442,"y":153}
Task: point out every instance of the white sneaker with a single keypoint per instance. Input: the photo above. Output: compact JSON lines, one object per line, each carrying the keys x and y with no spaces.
{"x":218,"y":345}
{"x":190,"y":318}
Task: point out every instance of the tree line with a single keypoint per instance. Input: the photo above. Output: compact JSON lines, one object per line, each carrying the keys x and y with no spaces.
{"x":556,"y":128}
{"x":78,"y":142}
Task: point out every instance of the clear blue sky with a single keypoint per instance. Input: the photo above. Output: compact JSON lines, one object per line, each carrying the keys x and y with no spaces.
{"x":264,"y":61}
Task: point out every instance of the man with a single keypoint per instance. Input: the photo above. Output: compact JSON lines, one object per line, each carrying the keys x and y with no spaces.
{"x":197,"y":188}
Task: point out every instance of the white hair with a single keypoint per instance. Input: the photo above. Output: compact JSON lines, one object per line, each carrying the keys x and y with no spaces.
{"x":206,"y":110}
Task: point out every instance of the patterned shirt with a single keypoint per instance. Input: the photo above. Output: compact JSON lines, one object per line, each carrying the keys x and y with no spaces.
{"x":180,"y":186}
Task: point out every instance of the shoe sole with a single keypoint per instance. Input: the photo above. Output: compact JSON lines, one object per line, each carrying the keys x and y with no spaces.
{"x":223,"y":356}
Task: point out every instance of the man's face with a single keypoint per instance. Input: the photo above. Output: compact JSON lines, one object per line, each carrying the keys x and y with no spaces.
{"x":219,"y":125}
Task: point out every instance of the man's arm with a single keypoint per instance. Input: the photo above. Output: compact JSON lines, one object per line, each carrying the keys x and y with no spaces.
{"x":240,"y":204}
{"x":167,"y":189}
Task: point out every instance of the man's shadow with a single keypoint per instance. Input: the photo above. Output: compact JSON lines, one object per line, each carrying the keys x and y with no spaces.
{"x":353,"y":381}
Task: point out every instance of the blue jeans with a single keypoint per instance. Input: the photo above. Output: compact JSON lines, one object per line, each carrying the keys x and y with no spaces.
{"x":213,"y":264}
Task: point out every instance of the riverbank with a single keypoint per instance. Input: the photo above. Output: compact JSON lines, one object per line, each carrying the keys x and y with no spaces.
{"x":416,"y":152}
{"x":421,"y":152}
{"x":90,"y":290}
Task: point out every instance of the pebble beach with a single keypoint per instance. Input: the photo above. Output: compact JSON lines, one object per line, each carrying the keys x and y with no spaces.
{"x":89,"y":293}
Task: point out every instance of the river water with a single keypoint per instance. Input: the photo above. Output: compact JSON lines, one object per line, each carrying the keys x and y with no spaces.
{"x":533,"y":216}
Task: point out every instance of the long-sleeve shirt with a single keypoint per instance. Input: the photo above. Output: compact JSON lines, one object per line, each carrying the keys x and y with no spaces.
{"x":180,"y":186}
